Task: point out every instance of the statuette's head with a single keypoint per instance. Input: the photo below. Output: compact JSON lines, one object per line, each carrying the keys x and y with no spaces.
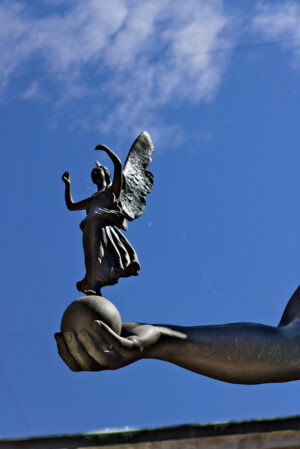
{"x":100,"y":176}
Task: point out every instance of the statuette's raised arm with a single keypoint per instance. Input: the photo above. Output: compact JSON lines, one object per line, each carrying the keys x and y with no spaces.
{"x":117,"y":180}
{"x":71,"y":205}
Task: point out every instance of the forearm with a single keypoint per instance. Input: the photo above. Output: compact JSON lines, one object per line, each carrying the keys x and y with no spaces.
{"x":117,"y":180}
{"x":68,"y":196}
{"x":71,"y":205}
{"x":115,"y":159}
{"x":241,"y":353}
{"x":117,"y":165}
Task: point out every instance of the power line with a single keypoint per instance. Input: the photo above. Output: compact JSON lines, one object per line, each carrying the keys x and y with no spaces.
{"x":147,"y":60}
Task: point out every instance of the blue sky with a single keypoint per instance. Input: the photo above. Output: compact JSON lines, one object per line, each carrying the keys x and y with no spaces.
{"x":219,"y":241}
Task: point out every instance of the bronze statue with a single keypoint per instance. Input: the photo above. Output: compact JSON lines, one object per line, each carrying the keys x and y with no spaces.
{"x":108,"y":254}
{"x":241,"y":353}
{"x":93,"y":337}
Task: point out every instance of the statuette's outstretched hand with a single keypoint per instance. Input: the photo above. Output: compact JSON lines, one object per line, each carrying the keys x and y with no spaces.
{"x":66,"y":177}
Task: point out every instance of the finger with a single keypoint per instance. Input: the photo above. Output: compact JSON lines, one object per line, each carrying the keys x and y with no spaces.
{"x":172,"y":333}
{"x":117,"y":342}
{"x":64,"y":353}
{"x":79,"y":354}
{"x":106,"y":359}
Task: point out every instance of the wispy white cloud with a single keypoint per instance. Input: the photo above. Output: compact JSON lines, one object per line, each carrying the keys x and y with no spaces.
{"x":279,"y":21}
{"x":175,"y":37}
{"x":32,"y":91}
{"x":63,"y":39}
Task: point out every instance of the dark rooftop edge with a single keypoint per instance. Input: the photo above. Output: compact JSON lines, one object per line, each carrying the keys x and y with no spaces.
{"x":132,"y":436}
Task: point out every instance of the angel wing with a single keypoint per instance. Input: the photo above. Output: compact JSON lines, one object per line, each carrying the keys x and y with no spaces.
{"x":137,"y":180}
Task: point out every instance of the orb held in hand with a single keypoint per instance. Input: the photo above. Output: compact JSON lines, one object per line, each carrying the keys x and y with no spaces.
{"x":82,"y":312}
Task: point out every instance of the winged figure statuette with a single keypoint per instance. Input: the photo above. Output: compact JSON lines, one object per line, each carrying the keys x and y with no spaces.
{"x":108,"y":254}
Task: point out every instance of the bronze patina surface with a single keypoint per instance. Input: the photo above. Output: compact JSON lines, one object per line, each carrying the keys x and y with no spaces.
{"x":107,"y":253}
{"x":241,"y":353}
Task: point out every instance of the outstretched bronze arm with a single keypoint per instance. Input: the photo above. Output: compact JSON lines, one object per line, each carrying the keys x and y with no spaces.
{"x":117,"y":180}
{"x":71,"y":205}
{"x":242,"y":353}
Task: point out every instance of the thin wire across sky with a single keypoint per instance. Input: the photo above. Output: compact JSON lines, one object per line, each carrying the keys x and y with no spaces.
{"x":256,"y":45}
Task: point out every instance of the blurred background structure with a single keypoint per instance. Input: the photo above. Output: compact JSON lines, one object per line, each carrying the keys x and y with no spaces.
{"x":281,"y":433}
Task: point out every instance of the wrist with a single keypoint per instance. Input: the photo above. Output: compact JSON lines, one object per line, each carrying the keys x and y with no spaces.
{"x":151,"y":352}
